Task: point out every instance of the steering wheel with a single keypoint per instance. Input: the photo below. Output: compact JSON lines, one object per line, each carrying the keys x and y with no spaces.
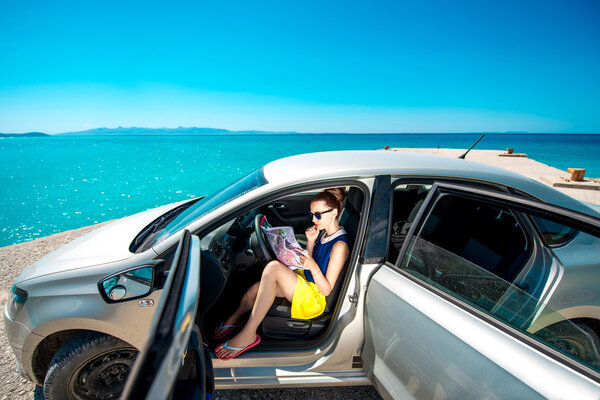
{"x":263,"y":243}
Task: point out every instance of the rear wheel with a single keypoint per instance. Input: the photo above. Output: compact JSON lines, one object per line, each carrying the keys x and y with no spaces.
{"x":89,"y":366}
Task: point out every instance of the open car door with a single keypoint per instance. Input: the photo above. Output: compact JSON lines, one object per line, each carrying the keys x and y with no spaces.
{"x":174,"y":362}
{"x":469,"y":311}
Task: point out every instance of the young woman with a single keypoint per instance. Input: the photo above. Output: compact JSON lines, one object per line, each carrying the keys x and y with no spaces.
{"x":327,"y":248}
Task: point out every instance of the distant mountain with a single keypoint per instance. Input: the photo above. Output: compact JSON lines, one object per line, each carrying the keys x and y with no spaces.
{"x":29,"y":134}
{"x":181,"y":131}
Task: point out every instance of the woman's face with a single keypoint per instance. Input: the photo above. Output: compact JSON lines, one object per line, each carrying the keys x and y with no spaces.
{"x":327,"y":214}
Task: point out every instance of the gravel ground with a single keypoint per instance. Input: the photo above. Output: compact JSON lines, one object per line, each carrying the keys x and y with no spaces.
{"x":14,"y":259}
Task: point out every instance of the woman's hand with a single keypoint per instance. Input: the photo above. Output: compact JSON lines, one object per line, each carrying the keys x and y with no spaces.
{"x":312,"y":233}
{"x":308,"y":262}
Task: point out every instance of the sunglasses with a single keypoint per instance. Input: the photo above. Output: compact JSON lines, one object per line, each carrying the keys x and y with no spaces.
{"x":318,"y":215}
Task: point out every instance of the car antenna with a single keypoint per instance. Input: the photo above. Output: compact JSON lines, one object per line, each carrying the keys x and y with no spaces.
{"x":467,"y":152}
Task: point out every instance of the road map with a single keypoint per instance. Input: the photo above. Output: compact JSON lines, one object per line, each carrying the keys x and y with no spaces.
{"x":284,"y":245}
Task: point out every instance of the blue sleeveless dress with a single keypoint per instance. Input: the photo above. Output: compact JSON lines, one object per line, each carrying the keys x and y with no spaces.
{"x":308,"y":301}
{"x":322,"y":251}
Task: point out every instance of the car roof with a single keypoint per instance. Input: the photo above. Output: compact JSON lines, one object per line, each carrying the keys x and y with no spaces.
{"x":363,"y":163}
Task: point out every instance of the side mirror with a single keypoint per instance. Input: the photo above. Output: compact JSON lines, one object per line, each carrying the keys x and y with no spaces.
{"x":129,"y":284}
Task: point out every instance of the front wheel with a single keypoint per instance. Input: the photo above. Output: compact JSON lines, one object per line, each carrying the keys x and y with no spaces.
{"x":89,"y":366}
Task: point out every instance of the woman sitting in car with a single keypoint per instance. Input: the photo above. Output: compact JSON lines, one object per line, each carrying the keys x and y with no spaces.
{"x":326,"y":252}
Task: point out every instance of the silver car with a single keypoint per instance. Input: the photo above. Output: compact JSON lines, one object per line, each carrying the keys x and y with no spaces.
{"x":464,"y":281}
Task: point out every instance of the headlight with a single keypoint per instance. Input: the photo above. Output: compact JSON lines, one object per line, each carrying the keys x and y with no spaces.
{"x":17,"y":298}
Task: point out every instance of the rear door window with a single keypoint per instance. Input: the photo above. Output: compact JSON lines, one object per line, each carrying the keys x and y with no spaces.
{"x":407,"y":200}
{"x":487,"y":236}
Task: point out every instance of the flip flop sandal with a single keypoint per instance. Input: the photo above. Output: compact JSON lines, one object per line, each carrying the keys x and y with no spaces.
{"x":225,"y":330}
{"x":239,"y":350}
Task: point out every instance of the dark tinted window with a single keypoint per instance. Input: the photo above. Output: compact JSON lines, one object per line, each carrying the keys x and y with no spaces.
{"x":487,"y":236}
{"x":407,"y":200}
{"x":553,"y":233}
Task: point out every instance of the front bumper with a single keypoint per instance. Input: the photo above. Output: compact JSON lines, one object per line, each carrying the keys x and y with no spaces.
{"x":18,"y":334}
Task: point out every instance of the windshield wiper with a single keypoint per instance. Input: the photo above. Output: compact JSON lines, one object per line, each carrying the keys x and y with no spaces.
{"x":153,"y":227}
{"x":159,"y":224}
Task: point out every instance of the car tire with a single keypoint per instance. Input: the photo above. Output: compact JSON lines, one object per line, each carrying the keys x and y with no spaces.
{"x":38,"y":393}
{"x":89,"y":366}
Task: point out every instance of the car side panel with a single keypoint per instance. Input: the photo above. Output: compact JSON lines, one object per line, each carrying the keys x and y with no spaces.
{"x":418,"y":345}
{"x":577,"y":295}
{"x":85,"y":312}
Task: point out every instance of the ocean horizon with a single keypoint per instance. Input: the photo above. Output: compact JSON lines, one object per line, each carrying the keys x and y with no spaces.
{"x":62,"y":182}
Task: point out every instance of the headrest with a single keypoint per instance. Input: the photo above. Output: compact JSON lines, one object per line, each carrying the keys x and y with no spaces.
{"x":354,"y":200}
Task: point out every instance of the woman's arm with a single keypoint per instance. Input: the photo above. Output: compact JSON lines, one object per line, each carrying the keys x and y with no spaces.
{"x":337,"y":258}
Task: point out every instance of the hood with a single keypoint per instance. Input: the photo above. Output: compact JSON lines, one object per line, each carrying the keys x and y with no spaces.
{"x":107,"y":244}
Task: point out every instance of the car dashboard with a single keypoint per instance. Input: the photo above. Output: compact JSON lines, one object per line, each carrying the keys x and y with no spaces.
{"x":231,"y":244}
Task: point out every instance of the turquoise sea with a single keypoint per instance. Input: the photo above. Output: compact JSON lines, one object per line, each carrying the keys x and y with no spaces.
{"x":52,"y":184}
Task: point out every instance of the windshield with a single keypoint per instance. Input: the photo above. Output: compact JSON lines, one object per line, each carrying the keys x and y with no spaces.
{"x":209,"y":203}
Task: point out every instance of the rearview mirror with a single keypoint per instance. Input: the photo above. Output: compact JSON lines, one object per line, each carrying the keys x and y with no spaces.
{"x":128,"y":285}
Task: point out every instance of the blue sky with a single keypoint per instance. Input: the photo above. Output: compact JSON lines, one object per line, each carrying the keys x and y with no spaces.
{"x":310,"y":66}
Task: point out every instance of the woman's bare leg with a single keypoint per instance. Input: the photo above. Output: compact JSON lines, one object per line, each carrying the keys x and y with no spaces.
{"x":277,"y":281}
{"x":246,"y":304}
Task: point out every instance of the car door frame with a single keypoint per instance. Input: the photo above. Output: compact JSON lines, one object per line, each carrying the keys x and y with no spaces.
{"x":310,"y":352}
{"x":582,"y":221}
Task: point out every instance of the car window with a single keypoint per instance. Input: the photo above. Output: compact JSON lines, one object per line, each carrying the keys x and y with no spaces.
{"x":407,"y":200}
{"x":472,"y":251}
{"x":554,"y":233}
{"x":485,"y":235}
